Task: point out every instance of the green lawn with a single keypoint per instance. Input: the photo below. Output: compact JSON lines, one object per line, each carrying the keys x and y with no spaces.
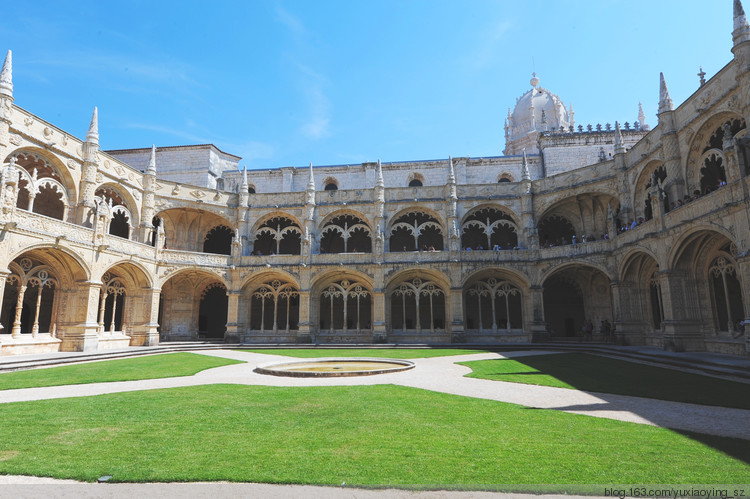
{"x":601,"y":374}
{"x":148,"y":367}
{"x":390,"y":353}
{"x":361,"y":435}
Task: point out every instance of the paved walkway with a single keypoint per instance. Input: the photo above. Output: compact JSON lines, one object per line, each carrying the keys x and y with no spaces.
{"x":439,"y":374}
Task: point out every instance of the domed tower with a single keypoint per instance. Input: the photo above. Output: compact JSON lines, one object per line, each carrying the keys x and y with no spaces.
{"x":536,"y":111}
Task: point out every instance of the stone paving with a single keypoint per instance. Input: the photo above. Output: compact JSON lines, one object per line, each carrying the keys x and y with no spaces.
{"x":439,"y":374}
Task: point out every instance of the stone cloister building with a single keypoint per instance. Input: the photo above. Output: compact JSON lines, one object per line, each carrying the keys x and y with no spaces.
{"x":131,"y":247}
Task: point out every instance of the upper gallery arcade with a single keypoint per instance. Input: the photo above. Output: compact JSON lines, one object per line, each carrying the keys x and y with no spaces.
{"x":642,"y":231}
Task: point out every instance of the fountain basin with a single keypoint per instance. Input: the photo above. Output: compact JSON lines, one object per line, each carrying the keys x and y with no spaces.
{"x":334,"y":367}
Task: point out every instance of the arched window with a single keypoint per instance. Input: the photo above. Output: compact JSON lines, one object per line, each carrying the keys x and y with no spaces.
{"x":414,"y":231}
{"x":121,"y":217}
{"x":274,"y":307}
{"x":29,"y":297}
{"x":726,"y":294}
{"x":278,"y":236}
{"x":40,"y":187}
{"x":345,"y":234}
{"x":658,"y":176}
{"x":555,"y":230}
{"x":489,"y":228}
{"x":503,"y":179}
{"x":493,"y":304}
{"x":346,"y":306}
{"x":331,"y":186}
{"x":251,"y":189}
{"x":111,"y":304}
{"x":418,"y":305}
{"x":219,"y":240}
{"x":415,"y":183}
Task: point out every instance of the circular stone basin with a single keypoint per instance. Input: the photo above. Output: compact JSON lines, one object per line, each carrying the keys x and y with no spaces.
{"x":334,"y":367}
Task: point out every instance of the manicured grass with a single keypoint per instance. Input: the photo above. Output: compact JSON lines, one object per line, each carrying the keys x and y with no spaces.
{"x":149,"y":367}
{"x":601,"y":374}
{"x":360,"y":435}
{"x":391,"y":353}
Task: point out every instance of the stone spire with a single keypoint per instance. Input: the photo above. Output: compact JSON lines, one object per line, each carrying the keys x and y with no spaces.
{"x":619,"y":146}
{"x":571,"y":114}
{"x":6,"y":76}
{"x":151,"y":170}
{"x":311,"y":179}
{"x":451,"y":171}
{"x":244,"y":185}
{"x":93,"y":134}
{"x":379,"y":182}
{"x":641,"y":117}
{"x":741,"y":31}
{"x":525,"y":176}
{"x":665,"y":101}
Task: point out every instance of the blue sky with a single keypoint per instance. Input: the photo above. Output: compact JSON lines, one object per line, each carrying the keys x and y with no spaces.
{"x":285,"y":83}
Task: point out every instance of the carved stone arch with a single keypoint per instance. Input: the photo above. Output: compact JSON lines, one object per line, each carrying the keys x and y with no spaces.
{"x":218,"y":240}
{"x":576,"y":295}
{"x":708,"y":136}
{"x":275,"y":214}
{"x":342,"y":306}
{"x":136,"y":274}
{"x":345,"y":231}
{"x":278,"y":233}
{"x":585,"y":212}
{"x":415,"y":228}
{"x":193,"y":277}
{"x":488,"y":227}
{"x":699,"y":234}
{"x":254,"y":279}
{"x":519,"y":278}
{"x":416,"y":301}
{"x":70,"y":267}
{"x":495,"y":300}
{"x":415,"y":209}
{"x":641,"y":201}
{"x":186,"y":228}
{"x":61,"y":171}
{"x":425,"y":274}
{"x":270,"y":304}
{"x":633,"y":259}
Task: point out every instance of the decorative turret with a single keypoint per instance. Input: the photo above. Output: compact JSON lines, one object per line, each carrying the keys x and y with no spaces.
{"x":6,"y":99}
{"x":89,"y":169}
{"x":6,"y":76}
{"x":379,"y":239}
{"x":311,"y":180}
{"x":642,"y":117}
{"x":525,"y":176}
{"x":147,"y":209}
{"x":665,"y":101}
{"x":741,"y":32}
{"x":454,"y":237}
{"x":244,"y":194}
{"x":307,"y":238}
{"x":619,"y":146}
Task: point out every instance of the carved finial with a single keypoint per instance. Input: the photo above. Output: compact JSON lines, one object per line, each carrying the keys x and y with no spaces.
{"x":93,"y":134}
{"x":379,"y":182}
{"x":665,"y":101}
{"x":244,"y":179}
{"x":571,"y":115}
{"x":525,"y":176}
{"x":151,"y":170}
{"x":741,"y":31}
{"x":451,"y":171}
{"x":619,"y":146}
{"x":534,"y":80}
{"x":311,"y":180}
{"x":701,"y":75}
{"x":641,"y":117}
{"x":6,"y":76}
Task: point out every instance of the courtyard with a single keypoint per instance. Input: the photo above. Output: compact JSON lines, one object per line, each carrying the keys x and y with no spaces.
{"x":460,"y":420}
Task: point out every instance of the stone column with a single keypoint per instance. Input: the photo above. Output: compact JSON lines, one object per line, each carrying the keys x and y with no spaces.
{"x":379,"y":331}
{"x":744,"y":277}
{"x":83,"y":336}
{"x":306,"y":329}
{"x":234,"y":328}
{"x":457,"y":327}
{"x":626,"y":301}
{"x":536,"y":323}
{"x":682,"y":325}
{"x":3,"y":277}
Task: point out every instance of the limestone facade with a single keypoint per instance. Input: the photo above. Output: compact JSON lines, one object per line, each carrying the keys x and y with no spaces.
{"x":131,"y":247}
